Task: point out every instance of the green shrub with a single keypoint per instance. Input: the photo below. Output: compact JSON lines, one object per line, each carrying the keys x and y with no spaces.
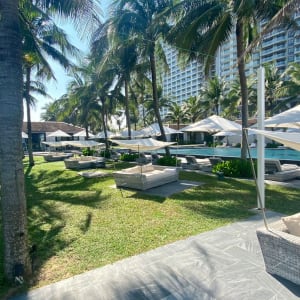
{"x":168,"y":161}
{"x":129,"y":156}
{"x":235,"y":168}
{"x":105,"y":153}
{"x":271,"y":145}
{"x":88,"y":152}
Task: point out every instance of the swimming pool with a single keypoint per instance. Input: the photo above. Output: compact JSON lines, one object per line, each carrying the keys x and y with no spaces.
{"x":270,"y":153}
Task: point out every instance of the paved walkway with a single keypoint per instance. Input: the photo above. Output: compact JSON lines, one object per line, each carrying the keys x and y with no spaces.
{"x":225,"y":264}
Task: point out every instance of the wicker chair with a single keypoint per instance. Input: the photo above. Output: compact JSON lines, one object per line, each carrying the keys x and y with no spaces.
{"x":281,"y":251}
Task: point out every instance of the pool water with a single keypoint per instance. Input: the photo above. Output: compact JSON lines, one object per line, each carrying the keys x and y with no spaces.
{"x":270,"y":153}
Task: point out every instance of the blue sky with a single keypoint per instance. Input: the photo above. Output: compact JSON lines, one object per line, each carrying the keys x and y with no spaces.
{"x":57,"y":88}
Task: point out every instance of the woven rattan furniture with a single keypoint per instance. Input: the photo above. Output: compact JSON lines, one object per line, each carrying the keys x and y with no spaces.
{"x":281,"y":251}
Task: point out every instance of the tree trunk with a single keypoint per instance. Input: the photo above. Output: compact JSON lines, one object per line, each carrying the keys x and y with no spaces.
{"x":104,"y":122}
{"x":29,"y":131}
{"x":13,"y":202}
{"x":86,"y":132}
{"x":155,"y":98}
{"x":243,"y":83}
{"x":127,"y":110}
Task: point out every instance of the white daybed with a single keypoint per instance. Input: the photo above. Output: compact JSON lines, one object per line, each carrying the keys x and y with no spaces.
{"x":145,"y":177}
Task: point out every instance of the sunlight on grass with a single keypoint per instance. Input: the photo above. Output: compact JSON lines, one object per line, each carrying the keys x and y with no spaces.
{"x":81,"y":223}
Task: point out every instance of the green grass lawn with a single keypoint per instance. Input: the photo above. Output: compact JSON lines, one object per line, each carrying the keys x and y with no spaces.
{"x":83,"y":223}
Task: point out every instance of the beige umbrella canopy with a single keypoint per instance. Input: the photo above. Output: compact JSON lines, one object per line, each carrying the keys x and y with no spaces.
{"x":143,"y":144}
{"x":154,"y":130}
{"x":59,"y":133}
{"x":24,"y":135}
{"x":213,"y":124}
{"x":83,"y":134}
{"x":289,"y":118}
{"x":289,"y":139}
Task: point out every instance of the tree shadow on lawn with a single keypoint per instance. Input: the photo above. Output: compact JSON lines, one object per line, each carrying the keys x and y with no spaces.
{"x":232,"y":198}
{"x":47,"y":219}
{"x":66,"y":186}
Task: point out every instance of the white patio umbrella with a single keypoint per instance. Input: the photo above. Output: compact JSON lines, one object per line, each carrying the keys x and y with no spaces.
{"x":213,"y":124}
{"x":110,"y":134}
{"x":289,"y":118}
{"x":24,"y":135}
{"x":83,"y":134}
{"x":59,"y":133}
{"x":154,"y":130}
{"x":84,"y":144}
{"x":143,"y":144}
{"x":134,"y":133}
{"x":289,"y":139}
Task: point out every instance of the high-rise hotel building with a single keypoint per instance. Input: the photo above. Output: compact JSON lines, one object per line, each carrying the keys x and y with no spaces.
{"x":280,"y":46}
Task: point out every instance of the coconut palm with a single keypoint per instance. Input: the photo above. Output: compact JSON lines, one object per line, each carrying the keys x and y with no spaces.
{"x":291,"y":85}
{"x":193,"y":110}
{"x":212,"y":95}
{"x":176,"y":114}
{"x":143,"y":19}
{"x":13,"y":201}
{"x":41,"y":39}
{"x":203,"y":26}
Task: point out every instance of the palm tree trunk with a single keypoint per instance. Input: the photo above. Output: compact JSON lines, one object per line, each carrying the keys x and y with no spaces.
{"x":127,"y":109}
{"x":13,"y":202}
{"x":29,"y":131}
{"x":104,"y":122}
{"x":155,"y":98}
{"x":243,"y":83}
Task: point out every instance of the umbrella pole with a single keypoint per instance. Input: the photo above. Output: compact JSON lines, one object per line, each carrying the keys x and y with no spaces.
{"x":256,"y":184}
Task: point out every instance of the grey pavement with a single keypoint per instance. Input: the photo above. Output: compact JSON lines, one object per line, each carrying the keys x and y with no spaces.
{"x":225,"y":263}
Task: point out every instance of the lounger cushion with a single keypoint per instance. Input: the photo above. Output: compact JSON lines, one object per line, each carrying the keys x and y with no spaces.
{"x":293,"y":224}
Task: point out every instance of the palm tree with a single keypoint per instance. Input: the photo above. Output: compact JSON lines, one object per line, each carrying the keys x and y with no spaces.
{"x":291,"y":85}
{"x":31,"y":87}
{"x":274,"y":89}
{"x":212,"y":95}
{"x":143,"y":19}
{"x":41,"y":38}
{"x":232,"y":101}
{"x":203,"y":26}
{"x":13,"y":201}
{"x":176,"y":114}
{"x":193,"y":110}
{"x":149,"y":105}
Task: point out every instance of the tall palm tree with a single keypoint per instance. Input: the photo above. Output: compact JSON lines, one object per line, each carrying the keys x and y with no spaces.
{"x":176,"y":114}
{"x":203,"y":26}
{"x":212,"y":95}
{"x":291,"y":85}
{"x":232,"y":101}
{"x":193,"y":110}
{"x":41,"y":39}
{"x":31,"y":87}
{"x":13,"y":201}
{"x":274,"y":89}
{"x":143,"y":19}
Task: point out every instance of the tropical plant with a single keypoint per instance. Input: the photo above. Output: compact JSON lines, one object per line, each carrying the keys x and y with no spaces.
{"x":13,"y":201}
{"x":144,"y":19}
{"x":212,"y":95}
{"x":291,"y":85}
{"x":120,"y":56}
{"x":41,"y":39}
{"x":193,"y":110}
{"x":201,"y":27}
{"x":274,"y":89}
{"x":176,"y":114}
{"x":233,"y":99}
